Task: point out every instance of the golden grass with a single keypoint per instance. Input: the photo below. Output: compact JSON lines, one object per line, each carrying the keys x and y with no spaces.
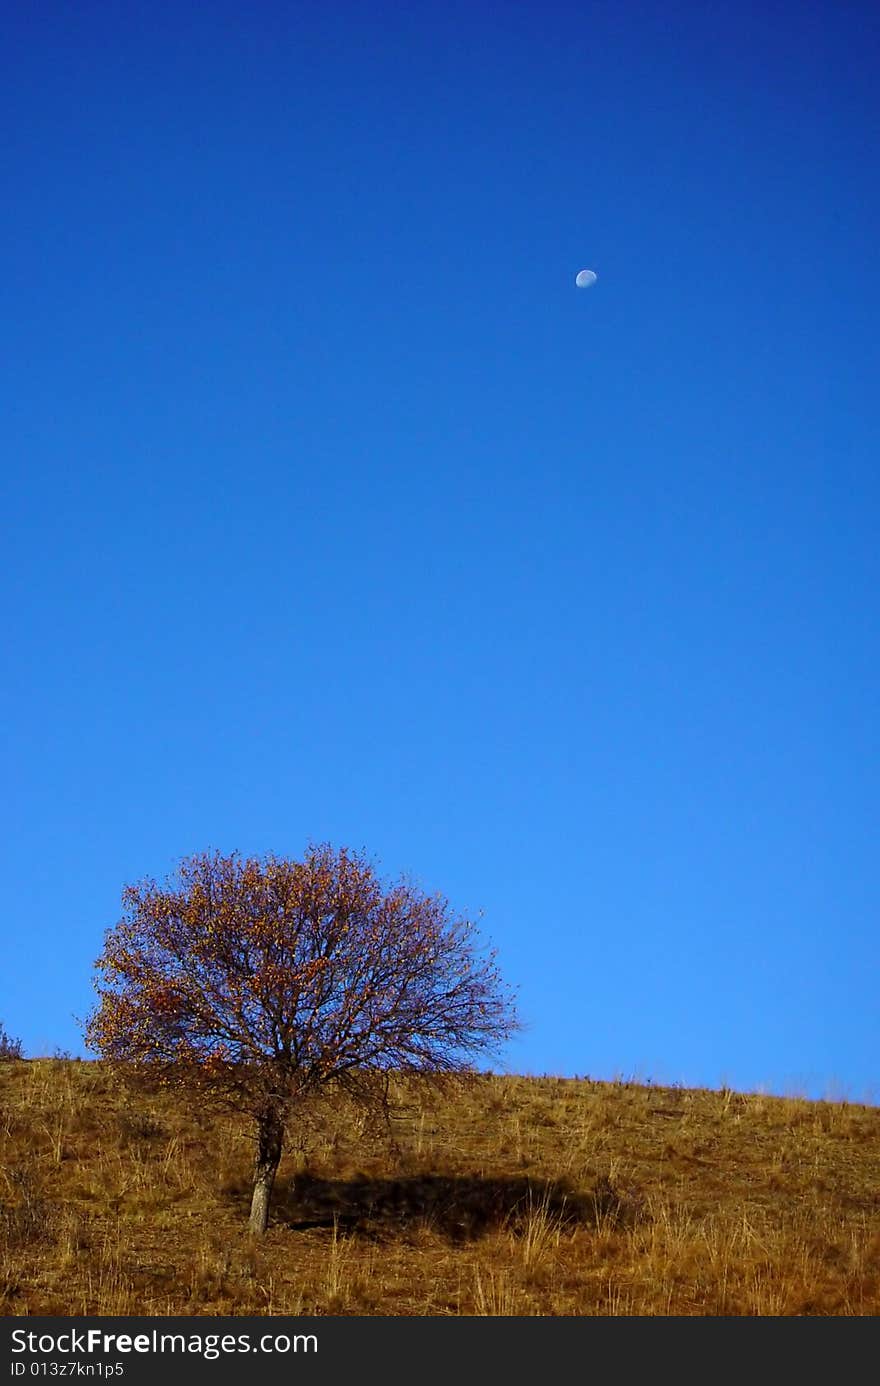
{"x":519,"y":1197}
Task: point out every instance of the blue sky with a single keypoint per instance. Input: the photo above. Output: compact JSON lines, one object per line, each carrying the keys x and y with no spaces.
{"x":334,"y":511}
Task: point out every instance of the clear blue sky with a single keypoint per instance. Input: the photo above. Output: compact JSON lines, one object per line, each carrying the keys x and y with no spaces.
{"x":334,"y":511}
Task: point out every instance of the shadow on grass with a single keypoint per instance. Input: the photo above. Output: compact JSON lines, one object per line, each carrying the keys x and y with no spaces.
{"x":458,"y":1207}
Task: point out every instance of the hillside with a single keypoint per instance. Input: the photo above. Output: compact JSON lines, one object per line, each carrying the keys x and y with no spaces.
{"x":523,"y":1196}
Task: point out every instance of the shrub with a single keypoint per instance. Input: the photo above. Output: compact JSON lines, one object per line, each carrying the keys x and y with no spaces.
{"x":9,"y":1048}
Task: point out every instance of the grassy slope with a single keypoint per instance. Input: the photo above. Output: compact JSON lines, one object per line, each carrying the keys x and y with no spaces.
{"x":525,"y":1196}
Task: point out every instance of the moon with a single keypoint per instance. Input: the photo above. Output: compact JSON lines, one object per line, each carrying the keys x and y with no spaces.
{"x":585,"y":278}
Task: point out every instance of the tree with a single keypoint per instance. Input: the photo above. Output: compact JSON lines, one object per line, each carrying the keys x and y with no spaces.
{"x":263,"y":982}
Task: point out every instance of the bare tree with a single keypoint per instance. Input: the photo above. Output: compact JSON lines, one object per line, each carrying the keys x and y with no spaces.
{"x":262,"y":981}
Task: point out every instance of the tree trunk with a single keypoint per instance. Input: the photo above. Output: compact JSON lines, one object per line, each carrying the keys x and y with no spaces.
{"x":270,"y":1138}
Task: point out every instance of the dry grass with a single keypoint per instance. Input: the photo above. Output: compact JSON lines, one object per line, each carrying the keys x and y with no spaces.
{"x":522,"y":1197}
